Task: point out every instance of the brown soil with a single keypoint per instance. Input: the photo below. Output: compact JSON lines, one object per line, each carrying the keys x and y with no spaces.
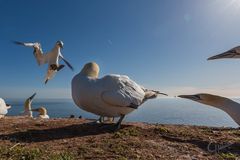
{"x":79,"y":139}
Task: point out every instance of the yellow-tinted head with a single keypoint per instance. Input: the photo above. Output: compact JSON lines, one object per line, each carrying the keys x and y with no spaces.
{"x":41,"y":110}
{"x":91,"y":70}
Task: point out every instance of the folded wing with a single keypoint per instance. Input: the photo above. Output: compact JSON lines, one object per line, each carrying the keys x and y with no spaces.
{"x":122,"y":92}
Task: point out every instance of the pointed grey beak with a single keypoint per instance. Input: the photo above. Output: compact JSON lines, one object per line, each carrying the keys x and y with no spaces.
{"x":31,"y":98}
{"x":228,"y":54}
{"x":191,"y":97}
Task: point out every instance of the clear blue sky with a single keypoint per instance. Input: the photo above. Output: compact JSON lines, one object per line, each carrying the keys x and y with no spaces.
{"x":161,"y":44}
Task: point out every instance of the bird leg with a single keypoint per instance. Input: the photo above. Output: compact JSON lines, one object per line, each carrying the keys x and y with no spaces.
{"x":118,"y":124}
{"x":101,"y":119}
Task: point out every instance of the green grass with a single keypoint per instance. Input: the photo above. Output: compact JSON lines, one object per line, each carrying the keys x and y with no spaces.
{"x":160,"y":130}
{"x":228,"y":156}
{"x":133,"y":131}
{"x":23,"y":153}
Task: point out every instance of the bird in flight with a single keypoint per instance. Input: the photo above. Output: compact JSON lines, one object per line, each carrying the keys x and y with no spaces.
{"x":51,"y":58}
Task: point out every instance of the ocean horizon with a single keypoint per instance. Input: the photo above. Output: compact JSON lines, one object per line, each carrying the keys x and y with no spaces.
{"x":161,"y":110}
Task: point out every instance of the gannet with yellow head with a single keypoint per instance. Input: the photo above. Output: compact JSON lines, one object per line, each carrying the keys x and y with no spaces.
{"x":28,"y":106}
{"x":3,"y":108}
{"x":110,"y":96}
{"x":42,"y":112}
{"x":51,"y":58}
{"x":229,"y":106}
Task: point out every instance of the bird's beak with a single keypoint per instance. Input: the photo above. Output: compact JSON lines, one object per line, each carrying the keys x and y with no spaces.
{"x":32,"y":96}
{"x":191,"y":97}
{"x":228,"y":54}
{"x":8,"y":106}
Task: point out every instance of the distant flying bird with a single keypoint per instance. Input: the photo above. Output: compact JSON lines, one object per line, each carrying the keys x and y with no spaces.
{"x":3,"y":108}
{"x":42,"y":112}
{"x":51,"y":57}
{"x":229,"y":106}
{"x":232,"y":53}
{"x":28,"y":106}
{"x":110,"y":96}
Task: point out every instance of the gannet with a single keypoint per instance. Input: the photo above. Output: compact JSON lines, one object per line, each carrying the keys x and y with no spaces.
{"x":42,"y":112}
{"x":28,"y":106}
{"x":3,"y":108}
{"x":232,"y":53}
{"x":110,"y":96}
{"x":51,"y":57}
{"x":229,"y":106}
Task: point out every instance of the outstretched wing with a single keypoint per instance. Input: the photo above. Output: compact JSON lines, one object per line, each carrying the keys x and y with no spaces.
{"x":122,"y":91}
{"x":65,"y":61}
{"x":38,"y":53}
{"x":232,"y":53}
{"x":24,"y":44}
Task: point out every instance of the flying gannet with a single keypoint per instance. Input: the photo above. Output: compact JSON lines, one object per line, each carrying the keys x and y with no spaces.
{"x":52,"y":57}
{"x":3,"y":108}
{"x":109,"y":96}
{"x":42,"y":112}
{"x":28,"y":106}
{"x":232,"y":53}
{"x":229,"y":106}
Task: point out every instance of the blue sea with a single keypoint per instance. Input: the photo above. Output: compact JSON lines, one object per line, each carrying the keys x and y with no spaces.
{"x":162,"y":110}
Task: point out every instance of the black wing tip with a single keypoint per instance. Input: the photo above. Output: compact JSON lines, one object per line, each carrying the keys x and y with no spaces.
{"x":17,"y":42}
{"x":68,"y":64}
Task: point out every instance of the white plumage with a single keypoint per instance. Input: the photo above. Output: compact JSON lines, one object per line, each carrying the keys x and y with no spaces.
{"x":42,"y":112}
{"x":110,"y":96}
{"x":229,"y":106}
{"x":51,"y":57}
{"x":3,"y":108}
{"x":28,"y":106}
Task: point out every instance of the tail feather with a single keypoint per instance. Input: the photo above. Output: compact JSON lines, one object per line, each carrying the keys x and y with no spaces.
{"x":150,"y":94}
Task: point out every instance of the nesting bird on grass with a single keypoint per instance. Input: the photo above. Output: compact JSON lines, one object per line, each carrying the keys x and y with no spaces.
{"x":52,"y":57}
{"x":109,"y":96}
{"x":42,"y":112}
{"x":229,"y":106}
{"x":3,"y":108}
{"x":28,"y":106}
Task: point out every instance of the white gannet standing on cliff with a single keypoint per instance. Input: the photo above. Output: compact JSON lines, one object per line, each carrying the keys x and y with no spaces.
{"x":109,"y":96}
{"x":28,"y":106}
{"x":52,"y":57}
{"x":229,"y":106}
{"x":3,"y":108}
{"x":232,"y":53}
{"x":42,"y":112}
